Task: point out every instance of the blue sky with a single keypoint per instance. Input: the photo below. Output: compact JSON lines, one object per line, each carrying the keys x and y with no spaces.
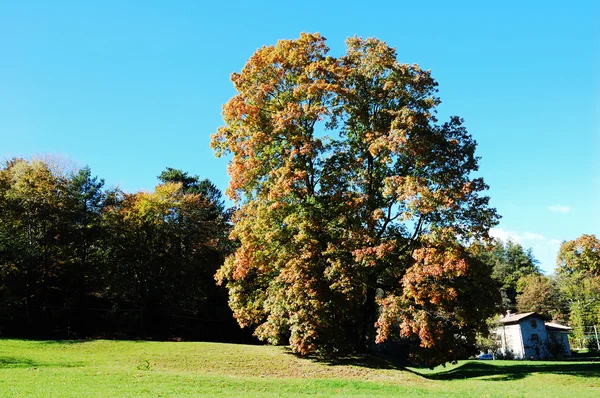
{"x":132,"y":87}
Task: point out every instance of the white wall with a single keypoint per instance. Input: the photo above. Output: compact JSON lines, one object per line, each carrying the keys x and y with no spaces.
{"x":511,"y":340}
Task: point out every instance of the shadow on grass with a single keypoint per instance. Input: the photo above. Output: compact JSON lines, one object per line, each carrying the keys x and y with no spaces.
{"x":364,"y":361}
{"x":83,"y":341}
{"x":368,"y":361}
{"x":513,"y":371}
{"x":61,"y":342}
{"x":21,"y":362}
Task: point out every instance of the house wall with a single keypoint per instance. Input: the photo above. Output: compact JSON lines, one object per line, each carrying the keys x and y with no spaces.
{"x":563,"y":338}
{"x":535,"y":347}
{"x":511,"y":340}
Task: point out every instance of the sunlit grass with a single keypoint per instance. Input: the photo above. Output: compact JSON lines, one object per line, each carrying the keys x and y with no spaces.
{"x":130,"y":368}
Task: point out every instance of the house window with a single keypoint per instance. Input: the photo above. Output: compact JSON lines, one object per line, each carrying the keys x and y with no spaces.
{"x":533,"y":324}
{"x":534,"y":338}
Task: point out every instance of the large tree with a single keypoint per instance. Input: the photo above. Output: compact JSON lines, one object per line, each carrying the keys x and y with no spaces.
{"x":353,"y":203}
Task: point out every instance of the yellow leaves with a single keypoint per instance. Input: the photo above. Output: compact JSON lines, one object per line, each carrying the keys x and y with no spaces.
{"x":378,"y":146}
{"x":154,"y":206}
{"x":581,"y":255}
{"x":33,"y":187}
{"x":377,"y":214}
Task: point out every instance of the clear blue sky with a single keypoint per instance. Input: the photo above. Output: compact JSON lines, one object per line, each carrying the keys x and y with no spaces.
{"x":132,"y":87}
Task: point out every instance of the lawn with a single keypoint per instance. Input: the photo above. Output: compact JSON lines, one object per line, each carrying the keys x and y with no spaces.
{"x":102,"y":368}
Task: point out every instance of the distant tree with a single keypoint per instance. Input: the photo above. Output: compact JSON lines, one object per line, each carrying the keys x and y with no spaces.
{"x":32,"y":239}
{"x":60,"y":166}
{"x":510,"y":262}
{"x":189,"y":184}
{"x":195,"y":185}
{"x":72,"y":254}
{"x":581,"y":255}
{"x":349,"y":238}
{"x":487,"y":340}
{"x":578,"y":270}
{"x":539,"y":293}
{"x":86,"y":248}
{"x":166,"y":246}
{"x":582,"y":294}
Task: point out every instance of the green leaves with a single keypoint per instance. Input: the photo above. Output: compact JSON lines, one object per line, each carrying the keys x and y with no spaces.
{"x":510,"y":262}
{"x":578,"y":277}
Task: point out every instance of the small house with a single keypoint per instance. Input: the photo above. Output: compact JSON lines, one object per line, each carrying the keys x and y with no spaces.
{"x":528,"y":336}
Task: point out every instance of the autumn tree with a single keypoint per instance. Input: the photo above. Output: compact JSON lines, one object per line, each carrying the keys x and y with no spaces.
{"x":32,"y":204}
{"x":539,"y":293}
{"x":354,"y":203}
{"x":580,"y":256}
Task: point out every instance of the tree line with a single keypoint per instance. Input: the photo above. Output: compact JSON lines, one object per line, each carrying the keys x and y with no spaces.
{"x":78,"y":259}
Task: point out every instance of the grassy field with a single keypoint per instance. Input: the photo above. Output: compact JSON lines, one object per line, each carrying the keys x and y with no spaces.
{"x":103,"y":368}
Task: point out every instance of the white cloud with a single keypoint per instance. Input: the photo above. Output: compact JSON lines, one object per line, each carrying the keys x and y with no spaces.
{"x":518,"y":237}
{"x":532,"y":236}
{"x":559,"y":209}
{"x":503,"y":235}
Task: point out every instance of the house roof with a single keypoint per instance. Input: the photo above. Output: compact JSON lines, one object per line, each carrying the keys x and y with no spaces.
{"x":514,"y":318}
{"x":557,"y":327}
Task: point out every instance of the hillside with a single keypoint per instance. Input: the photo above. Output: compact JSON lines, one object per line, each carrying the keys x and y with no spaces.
{"x":103,"y":368}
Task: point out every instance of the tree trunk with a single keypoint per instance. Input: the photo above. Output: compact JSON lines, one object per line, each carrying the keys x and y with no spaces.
{"x":367,"y":343}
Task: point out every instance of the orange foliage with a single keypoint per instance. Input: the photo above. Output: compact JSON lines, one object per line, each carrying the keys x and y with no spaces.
{"x":339,"y":170}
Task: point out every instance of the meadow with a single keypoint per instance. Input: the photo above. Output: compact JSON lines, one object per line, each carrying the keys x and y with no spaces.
{"x":102,"y":368}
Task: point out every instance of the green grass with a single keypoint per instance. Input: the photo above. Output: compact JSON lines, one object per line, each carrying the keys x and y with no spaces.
{"x":103,"y":368}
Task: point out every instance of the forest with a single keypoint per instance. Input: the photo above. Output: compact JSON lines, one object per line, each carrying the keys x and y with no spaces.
{"x":78,"y":259}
